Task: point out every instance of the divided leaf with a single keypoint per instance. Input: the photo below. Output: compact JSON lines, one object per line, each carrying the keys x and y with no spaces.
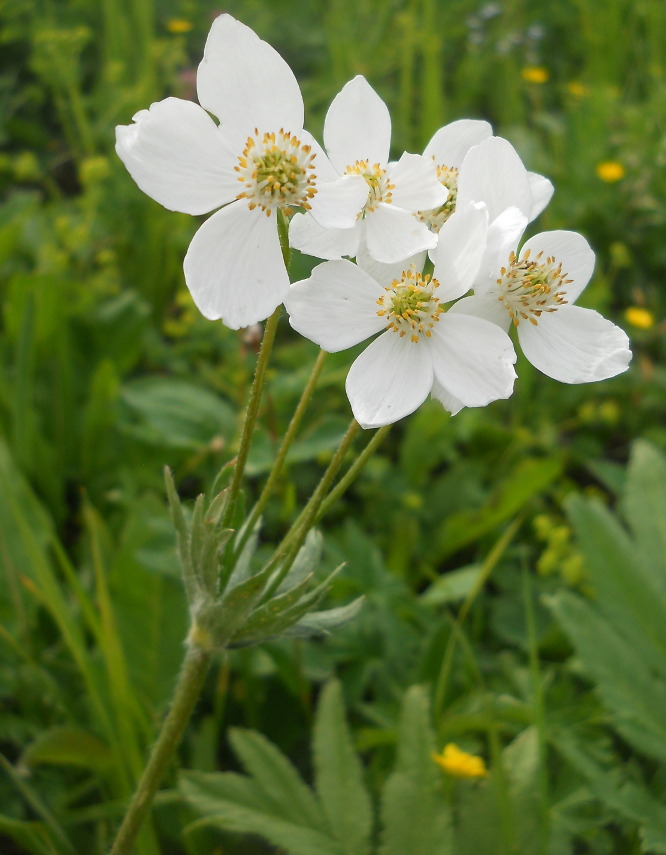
{"x":339,"y":774}
{"x":415,"y":815}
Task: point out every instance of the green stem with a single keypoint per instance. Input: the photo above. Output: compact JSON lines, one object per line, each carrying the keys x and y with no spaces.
{"x":190,"y":683}
{"x":251,"y":415}
{"x":282,"y":453}
{"x":352,"y":472}
{"x":295,"y":537}
{"x":486,"y":569}
{"x":539,"y":707}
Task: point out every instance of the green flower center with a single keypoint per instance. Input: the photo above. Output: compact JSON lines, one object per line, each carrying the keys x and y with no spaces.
{"x":410,"y":305}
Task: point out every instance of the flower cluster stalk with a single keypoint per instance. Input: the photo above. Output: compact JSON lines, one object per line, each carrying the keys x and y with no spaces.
{"x":352,"y":472}
{"x":276,"y":471}
{"x":251,"y":415}
{"x":295,"y":538}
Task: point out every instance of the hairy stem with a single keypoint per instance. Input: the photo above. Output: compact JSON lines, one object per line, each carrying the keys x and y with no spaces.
{"x":352,"y":472}
{"x":294,"y":424}
{"x":294,"y":538}
{"x":251,"y":415}
{"x":190,"y":683}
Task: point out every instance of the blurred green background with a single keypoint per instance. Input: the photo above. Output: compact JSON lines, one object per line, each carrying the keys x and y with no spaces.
{"x":107,"y":373}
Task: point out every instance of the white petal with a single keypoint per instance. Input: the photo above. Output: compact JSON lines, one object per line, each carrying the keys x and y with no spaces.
{"x":336,"y":307}
{"x":245,"y":83}
{"x":487,"y":306}
{"x":338,"y":204}
{"x":306,"y":235}
{"x":357,"y":126}
{"x":492,"y":172}
{"x":542,"y":192}
{"x":575,"y":345}
{"x":416,"y":186}
{"x":504,"y":233}
{"x":439,"y":393}
{"x":176,"y":155}
{"x":324,"y":169}
{"x":389,"y":380}
{"x":451,"y":143}
{"x":385,"y":274}
{"x":459,"y":250}
{"x":394,"y":234}
{"x":572,"y":250}
{"x":234,"y":267}
{"x":473,"y":359}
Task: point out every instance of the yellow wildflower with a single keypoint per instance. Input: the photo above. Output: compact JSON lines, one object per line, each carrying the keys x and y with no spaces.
{"x":179,"y":25}
{"x":460,"y":764}
{"x":640,"y":318}
{"x":578,"y":90}
{"x":610,"y":171}
{"x":535,"y":74}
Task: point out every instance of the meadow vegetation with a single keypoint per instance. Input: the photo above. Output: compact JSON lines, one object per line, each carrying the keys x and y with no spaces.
{"x":512,"y":558}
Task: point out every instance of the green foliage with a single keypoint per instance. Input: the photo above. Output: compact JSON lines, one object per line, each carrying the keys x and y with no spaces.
{"x":108,"y":373}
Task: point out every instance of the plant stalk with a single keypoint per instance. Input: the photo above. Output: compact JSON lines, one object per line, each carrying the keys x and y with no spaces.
{"x":294,"y":424}
{"x":294,"y":538}
{"x":190,"y":683}
{"x":251,"y":415}
{"x":352,"y":472}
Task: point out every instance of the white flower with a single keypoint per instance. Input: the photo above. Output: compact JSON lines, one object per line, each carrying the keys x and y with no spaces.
{"x":357,"y":136}
{"x":536,"y":290}
{"x":258,"y":160}
{"x":462,"y":361}
{"x":493,"y":172}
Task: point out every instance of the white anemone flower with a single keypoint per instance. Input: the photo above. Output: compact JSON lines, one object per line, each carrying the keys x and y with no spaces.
{"x":357,"y":136}
{"x":423,"y":349}
{"x":535,"y":291}
{"x":258,"y":160}
{"x":494,"y":172}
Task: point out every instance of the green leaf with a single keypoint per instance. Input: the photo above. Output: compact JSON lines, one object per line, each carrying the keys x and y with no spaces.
{"x":69,"y":746}
{"x":629,"y":799}
{"x":339,"y":774}
{"x":634,"y":695}
{"x":521,"y":763}
{"x":278,"y":779}
{"x":623,"y":585}
{"x":452,"y":586}
{"x":175,"y":413}
{"x":32,"y":836}
{"x":530,"y":477}
{"x":644,"y":504}
{"x":236,"y":803}
{"x":415,"y":814}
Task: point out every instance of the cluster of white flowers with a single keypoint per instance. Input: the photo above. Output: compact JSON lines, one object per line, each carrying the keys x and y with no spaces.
{"x":465,"y":203}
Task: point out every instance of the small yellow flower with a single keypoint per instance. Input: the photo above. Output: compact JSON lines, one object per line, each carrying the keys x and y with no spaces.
{"x":640,"y":318}
{"x":460,"y":764}
{"x":179,"y":25}
{"x":535,"y":74}
{"x":578,"y":90}
{"x":610,"y":171}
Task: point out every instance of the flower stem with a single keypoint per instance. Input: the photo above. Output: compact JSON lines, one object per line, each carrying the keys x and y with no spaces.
{"x":352,"y":472}
{"x":190,"y":683}
{"x":486,"y":569}
{"x":251,"y":415}
{"x":282,"y":453}
{"x":294,"y":538}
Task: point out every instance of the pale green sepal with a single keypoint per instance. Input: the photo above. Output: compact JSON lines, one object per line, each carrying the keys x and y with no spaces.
{"x":222,"y":619}
{"x":307,"y":559}
{"x":242,"y":569}
{"x":264,"y":622}
{"x":321,"y":623}
{"x":182,"y":538}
